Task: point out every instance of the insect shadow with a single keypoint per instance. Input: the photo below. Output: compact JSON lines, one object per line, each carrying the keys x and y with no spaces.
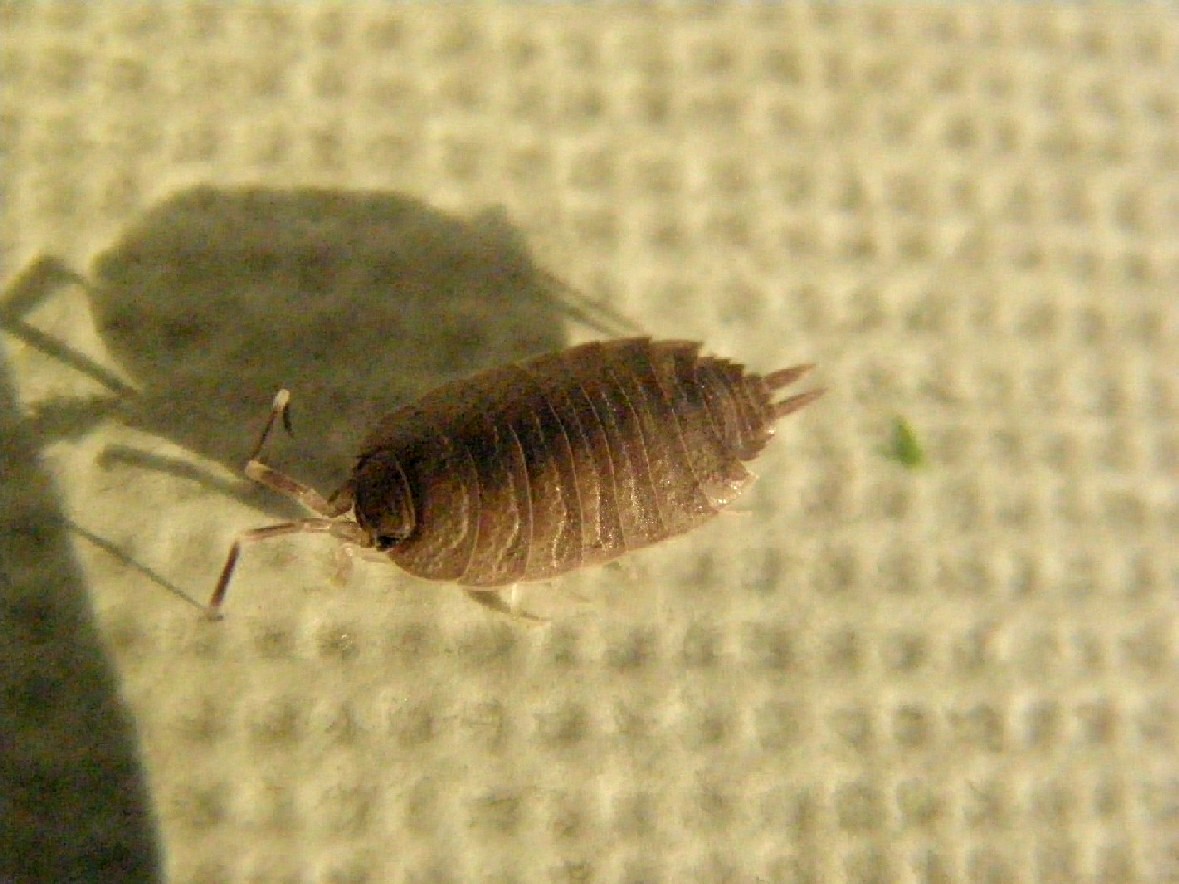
{"x":217,"y":297}
{"x":76,"y":802}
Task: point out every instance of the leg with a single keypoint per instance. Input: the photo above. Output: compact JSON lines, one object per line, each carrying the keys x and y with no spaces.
{"x":345,"y":556}
{"x":347,"y":559}
{"x":259,"y":472}
{"x":339,"y":503}
{"x":492,"y":600}
{"x":348,"y":532}
{"x":278,"y":409}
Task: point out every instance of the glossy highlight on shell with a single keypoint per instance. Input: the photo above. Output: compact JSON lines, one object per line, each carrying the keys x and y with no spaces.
{"x":530,"y":470}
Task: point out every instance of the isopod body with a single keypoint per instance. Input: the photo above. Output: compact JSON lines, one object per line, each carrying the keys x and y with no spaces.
{"x":529,"y":470}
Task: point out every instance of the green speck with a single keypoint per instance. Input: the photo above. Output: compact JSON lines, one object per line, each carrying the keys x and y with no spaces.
{"x":904,"y":447}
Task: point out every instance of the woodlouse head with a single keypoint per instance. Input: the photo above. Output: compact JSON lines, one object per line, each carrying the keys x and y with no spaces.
{"x":384,"y":502}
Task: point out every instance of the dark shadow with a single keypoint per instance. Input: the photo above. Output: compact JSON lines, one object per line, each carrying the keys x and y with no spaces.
{"x":127,"y":561}
{"x":355,"y":301}
{"x":74,"y":801}
{"x":209,"y":303}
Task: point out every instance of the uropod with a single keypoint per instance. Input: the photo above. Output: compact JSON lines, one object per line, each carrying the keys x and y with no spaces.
{"x":532,"y":469}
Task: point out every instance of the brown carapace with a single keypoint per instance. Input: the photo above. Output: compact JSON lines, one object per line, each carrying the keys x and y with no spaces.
{"x":530,"y":470}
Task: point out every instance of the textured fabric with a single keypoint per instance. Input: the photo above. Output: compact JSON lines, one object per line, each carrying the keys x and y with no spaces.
{"x":951,"y":659}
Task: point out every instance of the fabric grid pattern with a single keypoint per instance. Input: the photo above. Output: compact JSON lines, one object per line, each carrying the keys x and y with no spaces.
{"x":963,"y":669}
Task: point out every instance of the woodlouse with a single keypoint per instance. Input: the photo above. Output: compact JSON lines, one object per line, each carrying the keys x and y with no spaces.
{"x":532,"y":469}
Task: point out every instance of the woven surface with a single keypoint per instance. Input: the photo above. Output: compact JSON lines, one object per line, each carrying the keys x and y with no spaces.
{"x":964,"y":671}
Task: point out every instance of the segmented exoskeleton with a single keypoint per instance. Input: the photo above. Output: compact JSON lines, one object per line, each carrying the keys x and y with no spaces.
{"x":529,"y":470}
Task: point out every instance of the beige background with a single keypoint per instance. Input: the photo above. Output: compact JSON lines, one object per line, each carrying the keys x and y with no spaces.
{"x":967,"y":216}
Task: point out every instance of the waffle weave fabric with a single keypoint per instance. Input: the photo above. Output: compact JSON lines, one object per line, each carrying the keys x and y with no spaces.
{"x":940,"y":643}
